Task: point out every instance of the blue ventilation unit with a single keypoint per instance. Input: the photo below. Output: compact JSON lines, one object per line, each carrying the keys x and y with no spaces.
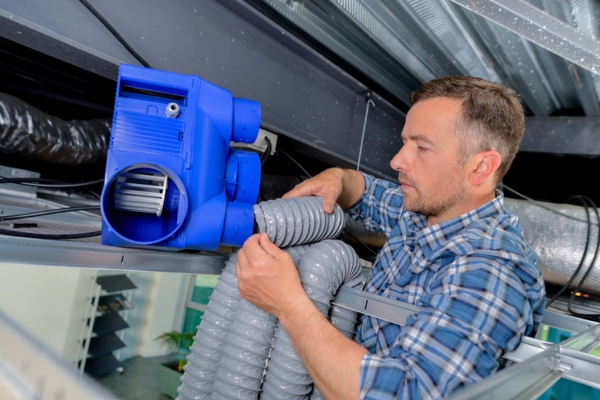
{"x":172,"y":180}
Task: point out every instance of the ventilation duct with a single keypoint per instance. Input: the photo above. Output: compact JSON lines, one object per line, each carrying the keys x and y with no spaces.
{"x":558,"y":241}
{"x":236,"y":340}
{"x":29,"y":132}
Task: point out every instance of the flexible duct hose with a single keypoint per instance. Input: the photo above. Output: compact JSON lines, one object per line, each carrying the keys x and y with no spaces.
{"x":209,"y":342}
{"x":322,"y":269}
{"x":30,"y":132}
{"x":230,"y":353}
{"x":298,"y":220}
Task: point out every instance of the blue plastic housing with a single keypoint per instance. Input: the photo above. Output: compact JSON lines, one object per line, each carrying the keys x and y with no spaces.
{"x":179,"y":127}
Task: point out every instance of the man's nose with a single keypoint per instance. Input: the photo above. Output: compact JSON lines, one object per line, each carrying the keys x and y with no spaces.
{"x":399,"y":161}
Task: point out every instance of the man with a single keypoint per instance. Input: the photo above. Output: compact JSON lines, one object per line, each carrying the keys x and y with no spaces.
{"x":452,"y":250}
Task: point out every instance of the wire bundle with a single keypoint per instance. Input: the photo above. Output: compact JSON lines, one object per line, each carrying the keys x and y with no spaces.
{"x":49,"y":183}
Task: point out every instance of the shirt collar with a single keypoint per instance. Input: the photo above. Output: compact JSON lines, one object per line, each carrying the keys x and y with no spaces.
{"x":433,"y":237}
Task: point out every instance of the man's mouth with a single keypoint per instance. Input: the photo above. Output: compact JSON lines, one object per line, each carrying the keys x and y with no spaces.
{"x":405,"y":184}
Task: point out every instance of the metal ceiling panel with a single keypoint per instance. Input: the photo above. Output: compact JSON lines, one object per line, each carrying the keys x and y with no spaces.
{"x":546,"y":50}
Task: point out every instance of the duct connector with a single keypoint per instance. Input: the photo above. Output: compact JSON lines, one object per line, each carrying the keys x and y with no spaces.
{"x":253,"y":338}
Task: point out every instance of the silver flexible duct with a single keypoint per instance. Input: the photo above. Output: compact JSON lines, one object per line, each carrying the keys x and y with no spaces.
{"x":230,"y":354}
{"x":558,"y":241}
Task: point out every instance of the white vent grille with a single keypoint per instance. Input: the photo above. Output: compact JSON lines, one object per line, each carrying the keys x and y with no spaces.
{"x":141,"y":192}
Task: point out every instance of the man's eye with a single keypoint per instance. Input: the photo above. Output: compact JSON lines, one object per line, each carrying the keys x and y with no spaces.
{"x":422,"y":148}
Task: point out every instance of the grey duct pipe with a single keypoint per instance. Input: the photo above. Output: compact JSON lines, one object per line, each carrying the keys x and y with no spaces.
{"x":27,"y":131}
{"x":322,"y":269}
{"x":209,"y":342}
{"x":297,"y":220}
{"x":247,"y":348}
{"x":558,"y":241}
{"x":244,"y":347}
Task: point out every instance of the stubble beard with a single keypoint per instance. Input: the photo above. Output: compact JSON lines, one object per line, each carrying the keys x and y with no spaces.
{"x":424,"y":204}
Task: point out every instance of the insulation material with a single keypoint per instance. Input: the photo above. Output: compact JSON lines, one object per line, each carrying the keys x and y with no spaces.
{"x":30,"y":132}
{"x":559,"y":241}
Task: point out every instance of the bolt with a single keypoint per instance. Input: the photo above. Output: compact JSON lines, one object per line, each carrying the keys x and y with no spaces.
{"x":172,"y":110}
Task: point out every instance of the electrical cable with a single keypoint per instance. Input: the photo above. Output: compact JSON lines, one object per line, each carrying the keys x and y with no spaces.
{"x":585,"y":251}
{"x":589,"y":269}
{"x":539,"y":204}
{"x":47,"y":212}
{"x":64,"y":185}
{"x":50,"y":236}
{"x":114,"y":32}
{"x":267,"y":152}
{"x":295,"y":162}
{"x":345,"y":232}
{"x":32,"y":182}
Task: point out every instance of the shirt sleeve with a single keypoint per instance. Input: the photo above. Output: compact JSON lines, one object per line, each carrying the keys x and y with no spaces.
{"x":475,"y":309}
{"x":380,"y":205}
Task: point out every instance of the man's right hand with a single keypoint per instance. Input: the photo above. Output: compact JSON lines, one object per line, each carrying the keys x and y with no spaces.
{"x":333,"y":185}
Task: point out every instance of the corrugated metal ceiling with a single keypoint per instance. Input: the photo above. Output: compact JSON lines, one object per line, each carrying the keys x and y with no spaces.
{"x":398,"y":44}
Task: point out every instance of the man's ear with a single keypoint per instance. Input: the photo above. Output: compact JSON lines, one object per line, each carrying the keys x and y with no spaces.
{"x":483,"y":167}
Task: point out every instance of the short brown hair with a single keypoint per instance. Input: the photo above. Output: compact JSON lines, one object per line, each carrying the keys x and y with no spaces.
{"x":492,"y":116}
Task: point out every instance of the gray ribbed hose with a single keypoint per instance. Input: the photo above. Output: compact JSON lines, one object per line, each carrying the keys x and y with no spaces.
{"x":236,"y":339}
{"x":322,"y":269}
{"x":298,"y":220}
{"x":209,"y":342}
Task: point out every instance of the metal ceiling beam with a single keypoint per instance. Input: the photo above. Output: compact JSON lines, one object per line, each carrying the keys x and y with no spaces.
{"x":562,"y":135}
{"x":541,"y":29}
{"x":60,"y":253}
{"x":302,"y":94}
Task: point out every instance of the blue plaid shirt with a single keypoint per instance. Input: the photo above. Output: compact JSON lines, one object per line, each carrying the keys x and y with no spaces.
{"x":474,"y":280}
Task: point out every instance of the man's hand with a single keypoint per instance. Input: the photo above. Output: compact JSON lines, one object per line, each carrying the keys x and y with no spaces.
{"x":268,"y":279}
{"x":267,"y":276}
{"x":333,"y":185}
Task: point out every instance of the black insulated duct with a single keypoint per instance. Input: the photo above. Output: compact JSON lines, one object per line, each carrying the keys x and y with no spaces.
{"x":27,"y":131}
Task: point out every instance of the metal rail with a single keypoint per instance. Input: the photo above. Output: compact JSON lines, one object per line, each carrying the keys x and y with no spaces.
{"x":540,"y":28}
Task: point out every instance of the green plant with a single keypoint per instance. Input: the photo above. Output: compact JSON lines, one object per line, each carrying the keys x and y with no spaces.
{"x":179,"y":343}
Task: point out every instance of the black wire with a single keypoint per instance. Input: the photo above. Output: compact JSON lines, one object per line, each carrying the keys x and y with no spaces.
{"x":114,"y":32}
{"x":345,"y":232}
{"x":64,"y":185}
{"x":50,"y":236}
{"x":31,"y":182}
{"x":587,"y":243}
{"x":539,"y":204}
{"x":47,"y":212}
{"x":267,"y":152}
{"x":295,"y":162}
{"x":589,"y":269}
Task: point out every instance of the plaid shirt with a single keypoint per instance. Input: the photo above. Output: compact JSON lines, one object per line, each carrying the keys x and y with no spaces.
{"x":474,"y":280}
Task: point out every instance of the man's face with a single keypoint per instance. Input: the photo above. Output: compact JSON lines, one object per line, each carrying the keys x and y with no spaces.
{"x":433,"y":181}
